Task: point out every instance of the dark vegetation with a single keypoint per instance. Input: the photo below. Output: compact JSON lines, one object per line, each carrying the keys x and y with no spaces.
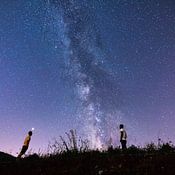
{"x":69,"y":158}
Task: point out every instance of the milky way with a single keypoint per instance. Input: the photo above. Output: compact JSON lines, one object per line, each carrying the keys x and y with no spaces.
{"x":85,"y":61}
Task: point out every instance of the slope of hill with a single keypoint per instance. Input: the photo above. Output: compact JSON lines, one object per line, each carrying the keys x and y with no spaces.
{"x":4,"y":157}
{"x":133,"y":161}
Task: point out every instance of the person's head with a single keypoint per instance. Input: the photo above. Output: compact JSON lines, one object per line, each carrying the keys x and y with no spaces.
{"x":121,"y":126}
{"x":30,"y":133}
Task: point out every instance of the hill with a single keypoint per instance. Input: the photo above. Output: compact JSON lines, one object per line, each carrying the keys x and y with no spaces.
{"x":4,"y":157}
{"x":133,"y":161}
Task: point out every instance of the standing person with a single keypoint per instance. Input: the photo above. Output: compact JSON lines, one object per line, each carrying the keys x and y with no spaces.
{"x":26,"y":144}
{"x":123,"y":136}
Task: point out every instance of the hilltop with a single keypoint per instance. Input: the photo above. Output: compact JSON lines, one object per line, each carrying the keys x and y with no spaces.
{"x":133,"y":161}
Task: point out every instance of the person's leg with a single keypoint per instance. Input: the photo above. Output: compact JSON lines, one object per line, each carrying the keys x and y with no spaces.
{"x":126,"y":144}
{"x":23,"y":150}
{"x":123,"y":142}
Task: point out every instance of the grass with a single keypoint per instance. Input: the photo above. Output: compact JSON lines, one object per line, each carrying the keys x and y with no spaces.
{"x":151,"y":160}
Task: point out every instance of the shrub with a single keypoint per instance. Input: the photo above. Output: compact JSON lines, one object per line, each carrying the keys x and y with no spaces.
{"x":167,"y":148}
{"x":72,"y":143}
{"x":151,"y":147}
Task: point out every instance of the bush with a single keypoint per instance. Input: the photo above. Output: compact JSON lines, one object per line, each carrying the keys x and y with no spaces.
{"x":72,"y":143}
{"x":134,"y":150}
{"x":167,"y":148}
{"x":150,"y":148}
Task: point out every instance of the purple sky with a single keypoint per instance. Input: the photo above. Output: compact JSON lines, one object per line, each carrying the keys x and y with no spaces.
{"x":89,"y":66}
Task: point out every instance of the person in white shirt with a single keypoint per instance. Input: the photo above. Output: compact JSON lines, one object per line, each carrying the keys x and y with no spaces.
{"x":123,"y":137}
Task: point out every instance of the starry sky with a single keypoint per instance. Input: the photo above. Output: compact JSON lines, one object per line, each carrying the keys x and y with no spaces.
{"x":87,"y":65}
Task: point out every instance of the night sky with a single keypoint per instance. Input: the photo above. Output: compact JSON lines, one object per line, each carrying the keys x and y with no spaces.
{"x":87,"y":65}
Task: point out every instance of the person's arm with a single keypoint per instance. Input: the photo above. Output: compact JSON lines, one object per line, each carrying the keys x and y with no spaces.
{"x":28,"y":141}
{"x":121,"y":135}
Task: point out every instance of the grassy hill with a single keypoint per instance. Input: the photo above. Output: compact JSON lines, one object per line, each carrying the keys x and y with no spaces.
{"x":133,"y":161}
{"x":4,"y":157}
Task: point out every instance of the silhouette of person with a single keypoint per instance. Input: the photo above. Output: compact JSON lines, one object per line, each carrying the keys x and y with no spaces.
{"x":26,"y":144}
{"x":123,"y":136}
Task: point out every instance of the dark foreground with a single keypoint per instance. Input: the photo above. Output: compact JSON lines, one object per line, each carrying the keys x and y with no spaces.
{"x":112,"y":162}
